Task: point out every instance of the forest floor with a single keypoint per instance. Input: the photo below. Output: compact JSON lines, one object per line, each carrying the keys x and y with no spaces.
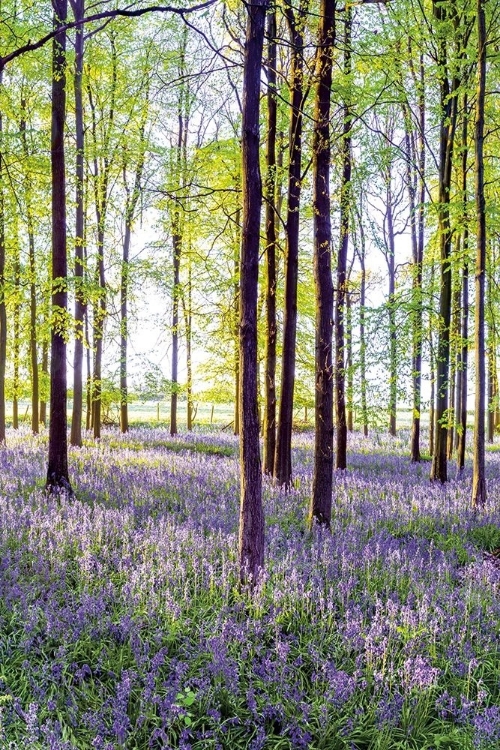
{"x":122,"y":626}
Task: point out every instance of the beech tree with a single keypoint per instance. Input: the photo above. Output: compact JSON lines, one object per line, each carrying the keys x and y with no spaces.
{"x":57,"y":469}
{"x":251,"y":534}
{"x":321,"y":501}
{"x":478,"y":478}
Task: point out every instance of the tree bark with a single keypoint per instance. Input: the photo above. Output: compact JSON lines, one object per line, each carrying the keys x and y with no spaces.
{"x":461,"y":416}
{"x":236,"y":308}
{"x":271,"y":241}
{"x":320,"y":510}
{"x":478,"y":464}
{"x":16,"y":344}
{"x":391,"y":267}
{"x":57,"y":469}
{"x":251,"y":531}
{"x":283,"y":458}
{"x":101,"y":198}
{"x":78,"y":7}
{"x":361,"y":252}
{"x":35,"y":392}
{"x":350,"y":365}
{"x":415,"y":160}
{"x":345,"y":207}
{"x":45,"y":372}
{"x":448,"y":106}
{"x":177,"y":250}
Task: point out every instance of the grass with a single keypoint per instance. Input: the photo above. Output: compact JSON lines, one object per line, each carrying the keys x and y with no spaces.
{"x":122,"y":625}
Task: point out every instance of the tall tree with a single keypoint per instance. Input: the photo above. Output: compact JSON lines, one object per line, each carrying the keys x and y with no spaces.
{"x":321,"y":501}
{"x":271,"y":242}
{"x":251,"y":533}
{"x":178,"y":222}
{"x":132,"y":196}
{"x":478,"y":466}
{"x":57,"y":469}
{"x":78,"y":7}
{"x":341,"y":271}
{"x":448,"y":116}
{"x":283,"y":459}
{"x":28,"y":197}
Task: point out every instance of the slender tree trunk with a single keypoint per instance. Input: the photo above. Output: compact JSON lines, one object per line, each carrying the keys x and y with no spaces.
{"x":98,"y":331}
{"x":464,"y":348}
{"x":57,"y":469}
{"x":271,"y":326}
{"x":393,"y":357}
{"x":35,"y":390}
{"x":448,"y":106}
{"x":89,"y":394}
{"x":455,"y":344}
{"x":35,"y":393}
{"x":251,"y":532}
{"x":283,"y":458}
{"x":362,"y":315}
{"x":177,"y":238}
{"x":463,"y":359}
{"x":187,"y":307}
{"x":345,"y":208}
{"x":432,"y":366}
{"x":16,"y":344}
{"x":350,"y":364}
{"x":124,"y":284}
{"x":132,"y":198}
{"x":415,"y":148}
{"x":491,"y":356}
{"x":78,"y":7}
{"x":177,"y":250}
{"x":45,"y":372}
{"x":320,"y":510}
{"x":101,"y":196}
{"x":236,"y":307}
{"x":3,"y":309}
{"x":478,"y":470}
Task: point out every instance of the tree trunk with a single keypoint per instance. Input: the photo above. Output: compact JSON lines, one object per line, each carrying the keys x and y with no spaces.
{"x":177,"y":249}
{"x":461,"y":417}
{"x":35,"y":393}
{"x":76,"y":419}
{"x":88,"y":420}
{"x":345,"y":207}
{"x":463,"y":359}
{"x":391,"y":267}
{"x":45,"y":372}
{"x":271,"y":326}
{"x":57,"y":470}
{"x":491,"y":355}
{"x":16,"y":344}
{"x":187,"y":307}
{"x":124,"y":284}
{"x":251,"y":532}
{"x":236,"y":308}
{"x":455,"y":344}
{"x":478,"y":464}
{"x":132,"y":198}
{"x":362,"y":315}
{"x":448,"y":106}
{"x":283,"y":458}
{"x":101,"y":197}
{"x":416,"y":181}
{"x":320,"y":510}
{"x":350,"y":364}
